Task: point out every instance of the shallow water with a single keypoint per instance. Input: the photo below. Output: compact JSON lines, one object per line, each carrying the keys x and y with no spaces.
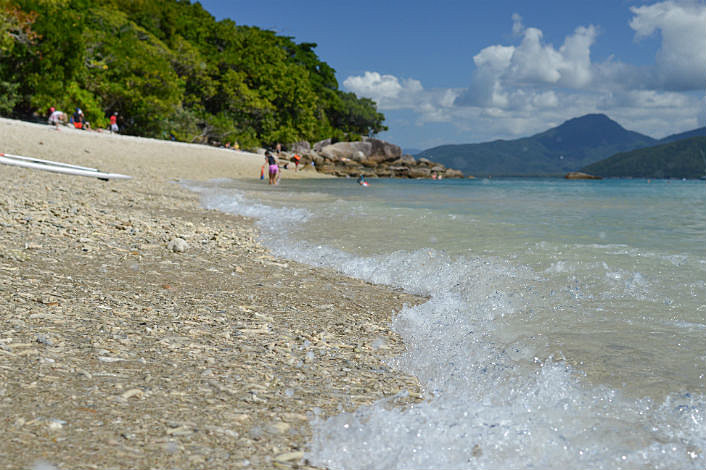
{"x":566,"y":326}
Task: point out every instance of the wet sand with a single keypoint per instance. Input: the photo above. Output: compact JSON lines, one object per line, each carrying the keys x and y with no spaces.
{"x":118,"y":350}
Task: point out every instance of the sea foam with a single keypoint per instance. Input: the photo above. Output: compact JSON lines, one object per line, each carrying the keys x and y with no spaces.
{"x":495,"y":395}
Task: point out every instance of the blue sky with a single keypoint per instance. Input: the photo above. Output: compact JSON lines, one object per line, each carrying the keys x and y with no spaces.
{"x":474,"y":71}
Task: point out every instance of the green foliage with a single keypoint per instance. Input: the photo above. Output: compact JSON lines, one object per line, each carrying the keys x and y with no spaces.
{"x":358,"y":115}
{"x":131,"y":71}
{"x":8,"y":96}
{"x":170,"y":69}
{"x":680,"y":159}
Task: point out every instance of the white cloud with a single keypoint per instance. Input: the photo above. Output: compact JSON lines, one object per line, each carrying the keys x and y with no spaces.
{"x":532,"y":67}
{"x":681,"y":60}
{"x":387,"y":91}
{"x":496,"y":59}
{"x":531,"y":85}
{"x":390,"y":92}
{"x":535,"y":62}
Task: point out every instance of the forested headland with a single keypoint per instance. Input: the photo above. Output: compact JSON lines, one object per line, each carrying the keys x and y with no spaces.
{"x":167,"y":67}
{"x":684,"y":158}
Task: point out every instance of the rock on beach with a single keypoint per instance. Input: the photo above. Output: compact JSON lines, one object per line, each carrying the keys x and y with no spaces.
{"x":177,"y":245}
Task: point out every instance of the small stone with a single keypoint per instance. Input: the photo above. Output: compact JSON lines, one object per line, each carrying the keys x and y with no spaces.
{"x":178,"y":245}
{"x":180,"y":431}
{"x":277,"y":428}
{"x":43,"y":339}
{"x":289,"y":456}
{"x":56,"y":424}
{"x":197,"y":459}
{"x":477,"y":451}
{"x":135,"y":392}
{"x":109,"y":359}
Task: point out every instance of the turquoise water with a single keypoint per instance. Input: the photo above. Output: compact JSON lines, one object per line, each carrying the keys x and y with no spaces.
{"x":566,"y":325}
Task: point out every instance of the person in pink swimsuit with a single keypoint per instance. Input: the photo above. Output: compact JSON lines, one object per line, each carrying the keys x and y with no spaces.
{"x":273,"y":168}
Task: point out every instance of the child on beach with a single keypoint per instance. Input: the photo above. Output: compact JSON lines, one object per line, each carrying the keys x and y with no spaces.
{"x":272,"y":166}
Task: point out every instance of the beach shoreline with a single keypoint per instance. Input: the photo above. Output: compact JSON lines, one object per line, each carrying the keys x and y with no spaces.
{"x":120,"y":350}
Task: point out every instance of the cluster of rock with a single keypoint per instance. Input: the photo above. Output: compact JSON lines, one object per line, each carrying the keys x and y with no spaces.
{"x":578,"y":175}
{"x":369,"y":158}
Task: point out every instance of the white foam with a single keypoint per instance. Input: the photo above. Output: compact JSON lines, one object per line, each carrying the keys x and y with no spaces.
{"x":493,"y":399}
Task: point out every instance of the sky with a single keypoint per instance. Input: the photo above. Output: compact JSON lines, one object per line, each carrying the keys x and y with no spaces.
{"x":450,"y":72}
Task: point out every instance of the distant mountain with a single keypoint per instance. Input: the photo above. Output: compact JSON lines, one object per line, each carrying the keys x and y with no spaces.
{"x":701,"y":131}
{"x":685,"y":158}
{"x":572,"y":145}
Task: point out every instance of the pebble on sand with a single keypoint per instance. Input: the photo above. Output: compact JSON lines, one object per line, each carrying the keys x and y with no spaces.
{"x":178,"y":245}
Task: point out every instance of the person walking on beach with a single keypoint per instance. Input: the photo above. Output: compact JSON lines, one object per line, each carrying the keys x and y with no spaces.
{"x":296,"y":158}
{"x":272,"y":167}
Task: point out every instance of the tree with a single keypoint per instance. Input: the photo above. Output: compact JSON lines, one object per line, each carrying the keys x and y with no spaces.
{"x":168,"y":67}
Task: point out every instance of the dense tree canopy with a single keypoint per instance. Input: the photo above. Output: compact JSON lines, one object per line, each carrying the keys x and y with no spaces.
{"x":168,"y":67}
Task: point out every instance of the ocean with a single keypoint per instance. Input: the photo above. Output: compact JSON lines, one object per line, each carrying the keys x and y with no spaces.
{"x":565,"y":326}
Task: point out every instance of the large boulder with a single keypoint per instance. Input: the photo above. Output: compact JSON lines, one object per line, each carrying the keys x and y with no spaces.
{"x":405,"y":160}
{"x":313,"y":157}
{"x":326,"y":168}
{"x":382,"y":151}
{"x":408,"y":160}
{"x":419,"y":172}
{"x":299,"y":147}
{"x":399,"y":170}
{"x":451,"y":173}
{"x":321,"y":144}
{"x":357,"y":151}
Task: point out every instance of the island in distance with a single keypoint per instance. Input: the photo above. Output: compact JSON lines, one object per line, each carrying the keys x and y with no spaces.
{"x":570,"y":147}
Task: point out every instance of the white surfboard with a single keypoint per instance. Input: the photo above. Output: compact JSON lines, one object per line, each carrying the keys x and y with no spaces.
{"x":47,"y":162}
{"x":58,"y":167}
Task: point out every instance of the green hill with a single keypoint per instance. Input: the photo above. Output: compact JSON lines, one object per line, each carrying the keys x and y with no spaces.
{"x":568,"y":147}
{"x":701,"y":131}
{"x":684,"y":158}
{"x":168,"y":67}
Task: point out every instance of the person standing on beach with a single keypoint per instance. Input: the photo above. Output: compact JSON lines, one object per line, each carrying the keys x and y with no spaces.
{"x":296,"y":158}
{"x":114,"y":123}
{"x":272,"y":167}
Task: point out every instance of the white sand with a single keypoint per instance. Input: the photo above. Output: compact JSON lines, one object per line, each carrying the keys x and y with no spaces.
{"x":139,"y":157}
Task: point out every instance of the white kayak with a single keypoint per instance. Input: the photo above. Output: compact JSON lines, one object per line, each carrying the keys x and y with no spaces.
{"x":58,"y":167}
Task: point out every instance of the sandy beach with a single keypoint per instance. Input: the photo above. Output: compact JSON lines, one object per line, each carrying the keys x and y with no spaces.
{"x":120,"y":350}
